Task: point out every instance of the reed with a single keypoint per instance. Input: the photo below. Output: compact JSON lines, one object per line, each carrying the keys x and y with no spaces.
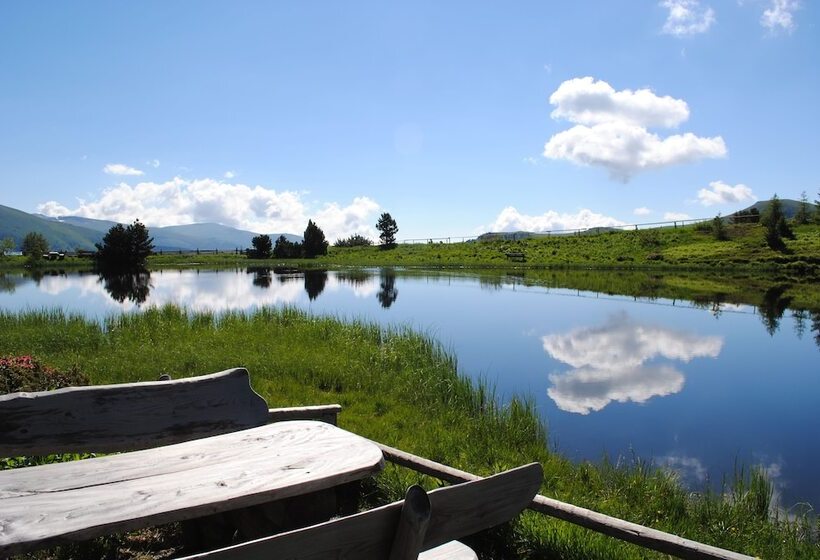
{"x":404,"y":389}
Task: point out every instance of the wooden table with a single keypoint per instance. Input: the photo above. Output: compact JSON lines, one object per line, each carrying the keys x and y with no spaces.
{"x":45,"y":505}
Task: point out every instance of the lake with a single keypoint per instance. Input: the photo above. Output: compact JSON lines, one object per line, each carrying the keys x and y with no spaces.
{"x":701,"y":386}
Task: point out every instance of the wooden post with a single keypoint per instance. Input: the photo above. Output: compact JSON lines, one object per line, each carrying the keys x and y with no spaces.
{"x":644,"y":537}
{"x":412,"y":526}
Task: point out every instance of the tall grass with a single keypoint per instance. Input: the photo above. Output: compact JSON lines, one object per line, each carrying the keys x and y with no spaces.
{"x":404,"y":389}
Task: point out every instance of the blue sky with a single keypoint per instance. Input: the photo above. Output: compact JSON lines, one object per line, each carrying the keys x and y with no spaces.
{"x":455,"y":117}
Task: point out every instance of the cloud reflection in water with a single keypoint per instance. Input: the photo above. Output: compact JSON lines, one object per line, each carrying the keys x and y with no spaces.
{"x":609,"y":363}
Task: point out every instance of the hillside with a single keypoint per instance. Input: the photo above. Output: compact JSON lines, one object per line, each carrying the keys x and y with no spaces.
{"x":61,"y":236}
{"x":70,"y":233}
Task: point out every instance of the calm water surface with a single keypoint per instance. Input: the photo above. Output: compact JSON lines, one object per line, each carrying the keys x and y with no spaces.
{"x":671,"y":381}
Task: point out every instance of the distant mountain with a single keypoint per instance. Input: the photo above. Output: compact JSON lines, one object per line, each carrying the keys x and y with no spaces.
{"x":74,"y":232}
{"x":61,"y":236}
{"x":789,"y":207}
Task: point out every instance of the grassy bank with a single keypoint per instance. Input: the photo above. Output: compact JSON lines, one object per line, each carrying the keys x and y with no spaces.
{"x":683,"y":247}
{"x":690,"y":247}
{"x":402,"y":389}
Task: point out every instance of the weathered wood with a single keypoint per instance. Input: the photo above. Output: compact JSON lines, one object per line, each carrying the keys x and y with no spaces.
{"x":412,"y":526}
{"x":48,"y":504}
{"x":614,"y":527}
{"x":452,"y":550}
{"x":456,"y":511}
{"x":128,"y":416}
{"x":325,"y":413}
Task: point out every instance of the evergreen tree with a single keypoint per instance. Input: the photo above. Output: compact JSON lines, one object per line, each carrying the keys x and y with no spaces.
{"x":314,"y":241}
{"x":802,"y":216}
{"x":285,"y":249}
{"x":125,"y":247}
{"x":775,"y":222}
{"x":388,"y":228}
{"x":719,"y":229}
{"x":262,"y":247}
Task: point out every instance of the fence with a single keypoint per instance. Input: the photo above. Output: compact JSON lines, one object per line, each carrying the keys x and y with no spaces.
{"x":512,"y":236}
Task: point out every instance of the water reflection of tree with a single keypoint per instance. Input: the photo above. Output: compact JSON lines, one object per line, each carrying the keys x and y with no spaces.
{"x":315,"y":281}
{"x":132,"y":286}
{"x":773,"y":307}
{"x":262,"y":276}
{"x":388,"y":293}
{"x":6,"y":284}
{"x":354,"y":277}
{"x":815,"y":326}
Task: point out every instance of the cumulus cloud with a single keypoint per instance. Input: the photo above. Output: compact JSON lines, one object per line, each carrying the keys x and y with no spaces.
{"x":676,"y":216}
{"x":721,"y":193}
{"x":642,"y":211}
{"x":687,"y":17}
{"x":229,"y":174}
{"x":690,"y":469}
{"x":779,"y":16}
{"x":610,"y":363}
{"x":612,"y":129}
{"x":589,"y":101}
{"x":254,"y":208}
{"x":121,"y":169}
{"x":510,"y":219}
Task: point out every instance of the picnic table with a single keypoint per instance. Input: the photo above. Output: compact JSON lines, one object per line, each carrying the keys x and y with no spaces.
{"x":53,"y":503}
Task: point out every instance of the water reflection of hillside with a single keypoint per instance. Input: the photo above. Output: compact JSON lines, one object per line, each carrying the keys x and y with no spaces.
{"x":610,"y":363}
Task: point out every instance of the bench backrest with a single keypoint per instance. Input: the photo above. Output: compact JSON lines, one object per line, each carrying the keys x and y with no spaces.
{"x":454,"y":512}
{"x":128,"y":416}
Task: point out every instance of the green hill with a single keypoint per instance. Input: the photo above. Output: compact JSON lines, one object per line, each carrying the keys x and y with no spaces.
{"x":69,"y":233}
{"x":61,"y":236}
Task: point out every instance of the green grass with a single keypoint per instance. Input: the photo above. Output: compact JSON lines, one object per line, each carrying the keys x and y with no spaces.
{"x":403,"y":389}
{"x":685,"y":247}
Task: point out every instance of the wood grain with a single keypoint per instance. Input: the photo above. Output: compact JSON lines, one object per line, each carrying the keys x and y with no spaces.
{"x":128,"y":416}
{"x":48,"y":504}
{"x":645,"y":537}
{"x":452,"y":550}
{"x":456,"y":511}
{"x":409,"y":534}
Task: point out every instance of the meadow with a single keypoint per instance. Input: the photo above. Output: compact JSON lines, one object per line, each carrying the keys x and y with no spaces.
{"x":403,"y":389}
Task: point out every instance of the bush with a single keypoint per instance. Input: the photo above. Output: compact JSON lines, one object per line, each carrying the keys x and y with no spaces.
{"x":355,"y":240}
{"x":26,"y":373}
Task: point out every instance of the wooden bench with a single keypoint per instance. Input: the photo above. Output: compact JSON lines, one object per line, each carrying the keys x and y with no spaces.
{"x":202,"y":446}
{"x":422,"y":522}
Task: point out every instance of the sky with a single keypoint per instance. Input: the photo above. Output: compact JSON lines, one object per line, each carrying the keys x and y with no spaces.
{"x":455,"y":117}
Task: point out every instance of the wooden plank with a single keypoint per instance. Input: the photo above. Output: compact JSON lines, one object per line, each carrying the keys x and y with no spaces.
{"x":325,"y":413}
{"x":452,"y":550}
{"x":456,"y":511}
{"x":412,"y":526}
{"x":128,"y":416}
{"x":45,"y":505}
{"x":612,"y":526}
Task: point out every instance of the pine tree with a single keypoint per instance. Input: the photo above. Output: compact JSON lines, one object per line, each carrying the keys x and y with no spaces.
{"x":314,"y":241}
{"x":388,"y":228}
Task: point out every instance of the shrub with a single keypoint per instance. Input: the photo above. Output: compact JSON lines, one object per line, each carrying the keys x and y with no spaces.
{"x":26,"y":373}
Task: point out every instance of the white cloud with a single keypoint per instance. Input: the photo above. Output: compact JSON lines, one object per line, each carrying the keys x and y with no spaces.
{"x":642,"y":211}
{"x":153,"y":163}
{"x":510,"y":219}
{"x":611,"y":130}
{"x":229,"y":174}
{"x":258,"y":209}
{"x":689,"y":469}
{"x":687,"y":17}
{"x":779,"y":16}
{"x":624,"y":149}
{"x":610,"y":363}
{"x":531,"y":160}
{"x":121,"y":169}
{"x":589,"y":101}
{"x":676,"y":216}
{"x":721,"y":193}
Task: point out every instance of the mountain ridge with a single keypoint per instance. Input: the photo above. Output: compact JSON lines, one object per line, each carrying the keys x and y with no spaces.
{"x":75,"y":233}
